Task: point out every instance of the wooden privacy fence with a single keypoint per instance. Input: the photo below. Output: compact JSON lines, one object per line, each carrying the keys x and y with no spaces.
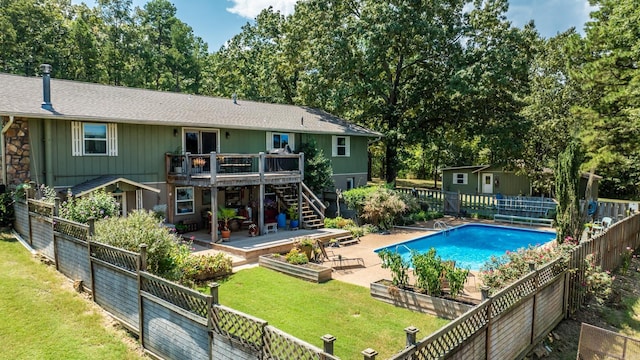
{"x":175,"y":322}
{"x":505,"y":326}
{"x":606,"y":251}
{"x":172,"y":321}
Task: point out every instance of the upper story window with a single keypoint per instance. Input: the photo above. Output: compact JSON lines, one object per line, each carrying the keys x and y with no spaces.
{"x":94,"y":139}
{"x":341,"y":146}
{"x":279,"y":140}
{"x":460,"y":178}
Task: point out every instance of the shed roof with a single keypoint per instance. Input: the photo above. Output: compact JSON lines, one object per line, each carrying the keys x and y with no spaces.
{"x":104,"y":181}
{"x":73,"y":100}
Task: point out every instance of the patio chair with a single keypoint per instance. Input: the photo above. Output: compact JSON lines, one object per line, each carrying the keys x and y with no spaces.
{"x":602,"y":225}
{"x":338,"y":262}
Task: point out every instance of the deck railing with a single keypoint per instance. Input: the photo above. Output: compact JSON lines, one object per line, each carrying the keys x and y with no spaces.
{"x":215,"y":165}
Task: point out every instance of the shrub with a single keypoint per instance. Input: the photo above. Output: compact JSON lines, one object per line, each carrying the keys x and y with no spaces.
{"x":356,"y":198}
{"x":7,"y":215}
{"x":398,"y":266}
{"x":164,"y":251}
{"x":456,"y":278}
{"x":626,"y":260}
{"x":428,"y":269}
{"x":204,"y":267}
{"x":97,"y":205}
{"x":382,"y":207}
{"x":597,"y":283}
{"x":296,"y":257}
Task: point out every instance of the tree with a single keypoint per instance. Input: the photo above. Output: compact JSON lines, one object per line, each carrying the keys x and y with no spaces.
{"x":569,"y":218}
{"x":605,"y":63}
{"x":318,"y":174}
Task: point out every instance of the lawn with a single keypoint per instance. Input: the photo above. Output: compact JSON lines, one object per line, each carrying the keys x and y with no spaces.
{"x":43,"y":318}
{"x":308,"y":311}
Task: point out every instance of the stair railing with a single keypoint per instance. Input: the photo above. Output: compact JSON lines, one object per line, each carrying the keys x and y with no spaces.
{"x":312,"y":200}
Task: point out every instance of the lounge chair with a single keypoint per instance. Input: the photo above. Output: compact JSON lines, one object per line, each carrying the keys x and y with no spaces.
{"x":338,"y":262}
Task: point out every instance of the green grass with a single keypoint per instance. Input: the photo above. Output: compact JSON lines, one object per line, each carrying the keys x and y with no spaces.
{"x":41,"y":317}
{"x":307,"y":311}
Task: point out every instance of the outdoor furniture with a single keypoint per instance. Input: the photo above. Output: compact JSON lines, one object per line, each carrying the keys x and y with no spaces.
{"x":338,"y":262}
{"x":602,"y":225}
{"x":271,"y":227}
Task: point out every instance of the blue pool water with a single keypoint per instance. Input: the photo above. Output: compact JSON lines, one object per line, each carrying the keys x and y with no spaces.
{"x":471,"y":245}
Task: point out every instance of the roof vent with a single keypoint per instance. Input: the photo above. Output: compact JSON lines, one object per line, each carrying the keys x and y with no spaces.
{"x":46,"y":86}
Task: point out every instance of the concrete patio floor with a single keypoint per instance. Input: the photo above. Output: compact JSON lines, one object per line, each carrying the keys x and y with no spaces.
{"x":362,"y":276}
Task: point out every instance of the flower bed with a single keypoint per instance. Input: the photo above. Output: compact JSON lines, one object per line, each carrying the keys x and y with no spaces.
{"x":408,"y":298}
{"x":311,"y":272}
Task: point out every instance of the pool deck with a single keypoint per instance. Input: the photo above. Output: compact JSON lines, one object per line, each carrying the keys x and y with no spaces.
{"x":372,"y":271}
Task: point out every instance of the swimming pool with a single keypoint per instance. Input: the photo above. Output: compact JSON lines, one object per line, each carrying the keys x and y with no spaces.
{"x":471,"y":245}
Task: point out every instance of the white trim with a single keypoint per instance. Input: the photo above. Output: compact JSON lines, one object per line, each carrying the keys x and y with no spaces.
{"x":139,"y":198}
{"x":290,"y":137}
{"x":192,"y":200}
{"x":335,"y":146}
{"x":76,"y":138}
{"x":112,"y":139}
{"x":465,"y":179}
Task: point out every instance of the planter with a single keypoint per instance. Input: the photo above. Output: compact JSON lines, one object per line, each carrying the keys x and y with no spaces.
{"x":310,"y":272}
{"x":441,"y":307}
{"x":225,"y":234}
{"x":294,"y":223}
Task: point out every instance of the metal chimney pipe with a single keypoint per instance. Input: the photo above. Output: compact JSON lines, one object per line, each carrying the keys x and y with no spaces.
{"x":46,"y":86}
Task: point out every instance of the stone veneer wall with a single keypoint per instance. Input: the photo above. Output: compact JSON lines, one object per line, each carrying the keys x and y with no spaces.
{"x":18,"y":151}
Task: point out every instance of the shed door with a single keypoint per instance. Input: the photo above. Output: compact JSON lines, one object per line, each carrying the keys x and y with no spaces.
{"x":487,"y":183}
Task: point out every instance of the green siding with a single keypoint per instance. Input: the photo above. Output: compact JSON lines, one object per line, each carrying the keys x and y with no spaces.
{"x":471,"y":187}
{"x":356,"y":163}
{"x":141,"y":150}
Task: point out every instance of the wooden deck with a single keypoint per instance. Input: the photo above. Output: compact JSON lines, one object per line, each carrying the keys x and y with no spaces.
{"x":247,"y":249}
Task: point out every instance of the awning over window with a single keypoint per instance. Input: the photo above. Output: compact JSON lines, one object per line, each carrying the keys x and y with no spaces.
{"x":110,"y":183}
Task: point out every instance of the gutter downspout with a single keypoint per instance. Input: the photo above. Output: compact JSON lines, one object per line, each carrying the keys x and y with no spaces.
{"x":2,"y":145}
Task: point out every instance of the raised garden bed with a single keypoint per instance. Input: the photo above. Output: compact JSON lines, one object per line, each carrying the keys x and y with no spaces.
{"x":310,"y":271}
{"x":407,"y":298}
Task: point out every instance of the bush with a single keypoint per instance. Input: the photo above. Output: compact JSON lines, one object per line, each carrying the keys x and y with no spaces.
{"x":428,"y":269}
{"x":296,"y":257}
{"x":195,"y":268}
{"x":382,"y":207}
{"x":164,"y":251}
{"x":97,"y":205}
{"x":596,"y":283}
{"x":7,"y":215}
{"x":398,"y":266}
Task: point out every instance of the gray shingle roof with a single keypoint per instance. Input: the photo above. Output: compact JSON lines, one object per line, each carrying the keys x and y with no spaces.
{"x":72,"y":100}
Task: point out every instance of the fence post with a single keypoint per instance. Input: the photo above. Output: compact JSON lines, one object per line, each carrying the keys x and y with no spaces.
{"x":369,"y":354}
{"x":536,"y":285}
{"x":56,"y":206}
{"x":143,"y":257}
{"x":484,"y":291}
{"x":328,"y":341}
{"x":411,"y":332}
{"x":213,"y":289}
{"x":92,"y":227}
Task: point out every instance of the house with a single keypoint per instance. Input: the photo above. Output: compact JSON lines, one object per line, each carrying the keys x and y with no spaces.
{"x":190,"y":153}
{"x":487,"y":179}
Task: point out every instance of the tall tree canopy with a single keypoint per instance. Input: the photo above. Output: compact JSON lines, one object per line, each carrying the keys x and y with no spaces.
{"x":607,"y":67}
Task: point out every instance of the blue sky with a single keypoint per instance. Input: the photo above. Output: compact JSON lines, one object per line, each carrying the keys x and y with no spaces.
{"x":216,"y":21}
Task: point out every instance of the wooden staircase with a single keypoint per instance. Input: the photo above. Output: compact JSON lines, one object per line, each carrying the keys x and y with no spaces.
{"x":312,"y":214}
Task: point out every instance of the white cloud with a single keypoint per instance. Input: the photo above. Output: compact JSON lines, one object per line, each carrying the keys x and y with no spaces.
{"x":251,"y":8}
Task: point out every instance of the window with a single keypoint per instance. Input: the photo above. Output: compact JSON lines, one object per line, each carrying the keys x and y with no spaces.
{"x":279,"y":140}
{"x":184,"y":200}
{"x":350,"y":182}
{"x":93,"y":139}
{"x":341,"y":146}
{"x":460,"y":178}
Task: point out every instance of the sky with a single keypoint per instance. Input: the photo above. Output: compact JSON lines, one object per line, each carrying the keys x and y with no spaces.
{"x":217,"y":21}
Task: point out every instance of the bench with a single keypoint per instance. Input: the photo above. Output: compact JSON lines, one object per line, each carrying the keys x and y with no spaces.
{"x":525,"y":220}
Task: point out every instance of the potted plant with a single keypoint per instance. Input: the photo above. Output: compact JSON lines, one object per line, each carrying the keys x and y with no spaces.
{"x":293,"y":216}
{"x":225,"y":215}
{"x":306,"y":246}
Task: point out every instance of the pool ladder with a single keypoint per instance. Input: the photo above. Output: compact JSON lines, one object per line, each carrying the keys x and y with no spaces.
{"x":404,"y":246}
{"x":442,"y":226}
